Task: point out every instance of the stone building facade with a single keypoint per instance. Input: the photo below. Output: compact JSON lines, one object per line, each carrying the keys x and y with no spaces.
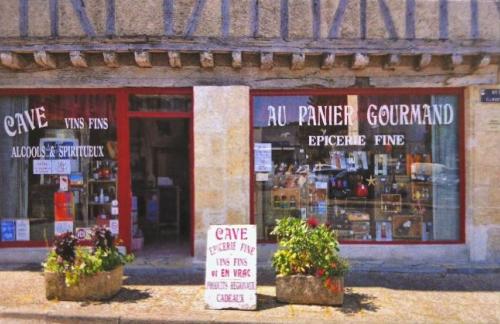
{"x":224,"y":52}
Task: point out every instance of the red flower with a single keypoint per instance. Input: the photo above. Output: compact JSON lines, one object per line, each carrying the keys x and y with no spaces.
{"x":312,"y":222}
{"x":320,"y":272}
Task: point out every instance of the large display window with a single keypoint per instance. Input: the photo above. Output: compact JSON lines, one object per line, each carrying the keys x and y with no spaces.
{"x":58,"y":157}
{"x":375,"y":166}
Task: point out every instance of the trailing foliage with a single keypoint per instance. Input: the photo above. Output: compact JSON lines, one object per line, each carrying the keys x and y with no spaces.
{"x":309,"y":249}
{"x":75,"y":262}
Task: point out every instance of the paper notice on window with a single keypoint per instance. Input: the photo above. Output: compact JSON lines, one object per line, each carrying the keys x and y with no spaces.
{"x":22,"y":230}
{"x":42,"y":166}
{"x":263,"y":161}
{"x":61,"y":227}
{"x":114,"y":227}
{"x":51,"y":166}
{"x":261,"y":176}
{"x":61,"y":166}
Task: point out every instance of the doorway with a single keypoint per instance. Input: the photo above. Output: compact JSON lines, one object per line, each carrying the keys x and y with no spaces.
{"x":161,"y":186}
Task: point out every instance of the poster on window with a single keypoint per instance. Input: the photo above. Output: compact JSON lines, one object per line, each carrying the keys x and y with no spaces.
{"x":263,"y":157}
{"x":22,"y":230}
{"x":61,"y":227}
{"x":8,"y":227}
{"x":231,"y":267}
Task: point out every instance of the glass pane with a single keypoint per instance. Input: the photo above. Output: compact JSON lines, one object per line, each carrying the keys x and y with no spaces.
{"x":161,"y":103}
{"x":381,"y":168}
{"x":59,"y":159}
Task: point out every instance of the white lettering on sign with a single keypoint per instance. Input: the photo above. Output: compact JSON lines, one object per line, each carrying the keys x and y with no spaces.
{"x":414,"y":114}
{"x":24,"y":122}
{"x":231,"y":267}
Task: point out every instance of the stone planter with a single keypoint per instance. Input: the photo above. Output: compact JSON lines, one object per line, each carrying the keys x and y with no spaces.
{"x":100,"y":286}
{"x":310,"y":290}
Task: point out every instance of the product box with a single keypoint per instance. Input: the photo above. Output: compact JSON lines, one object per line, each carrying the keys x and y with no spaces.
{"x":407,"y":227}
{"x":390,"y":203}
{"x":383,"y":231}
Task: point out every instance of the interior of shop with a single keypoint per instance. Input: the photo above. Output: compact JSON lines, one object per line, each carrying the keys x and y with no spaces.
{"x":159,"y":165}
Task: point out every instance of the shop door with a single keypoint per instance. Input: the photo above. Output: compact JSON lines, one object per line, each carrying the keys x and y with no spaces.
{"x":160,"y":173}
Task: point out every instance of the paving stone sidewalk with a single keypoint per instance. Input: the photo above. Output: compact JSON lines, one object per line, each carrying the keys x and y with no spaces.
{"x":175,"y":295}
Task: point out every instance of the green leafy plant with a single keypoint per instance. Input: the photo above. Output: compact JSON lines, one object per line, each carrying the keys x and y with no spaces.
{"x":76,"y":261}
{"x":309,"y":249}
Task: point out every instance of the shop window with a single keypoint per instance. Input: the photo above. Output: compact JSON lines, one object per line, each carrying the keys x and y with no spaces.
{"x":59,"y":166}
{"x":160,"y":103}
{"x":372,"y":167}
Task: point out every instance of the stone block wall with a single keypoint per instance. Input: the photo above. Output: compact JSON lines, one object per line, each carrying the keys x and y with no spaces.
{"x":221,"y":159}
{"x":483,"y":168}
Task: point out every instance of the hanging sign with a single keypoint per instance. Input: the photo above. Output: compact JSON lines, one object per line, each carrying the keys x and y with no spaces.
{"x":231,"y":267}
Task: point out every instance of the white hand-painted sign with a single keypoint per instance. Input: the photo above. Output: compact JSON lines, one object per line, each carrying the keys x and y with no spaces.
{"x":231,"y":267}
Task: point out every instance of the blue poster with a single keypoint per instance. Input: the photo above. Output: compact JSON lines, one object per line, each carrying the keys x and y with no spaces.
{"x":8,"y":230}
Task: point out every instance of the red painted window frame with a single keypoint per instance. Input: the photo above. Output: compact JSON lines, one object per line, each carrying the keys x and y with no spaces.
{"x":123,"y":115}
{"x":459,"y":92}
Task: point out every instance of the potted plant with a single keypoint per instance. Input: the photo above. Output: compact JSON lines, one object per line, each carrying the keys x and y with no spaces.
{"x":308,"y":265}
{"x":80,"y":273}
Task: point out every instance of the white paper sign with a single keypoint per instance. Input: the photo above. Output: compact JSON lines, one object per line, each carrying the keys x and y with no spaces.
{"x":231,"y":267}
{"x":63,"y":183}
{"x":22,"y":230}
{"x":263,"y":161}
{"x":42,"y":167}
{"x":113,"y":226}
{"x":51,"y":166}
{"x":61,"y":166}
{"x":63,"y":227}
{"x":261,"y":176}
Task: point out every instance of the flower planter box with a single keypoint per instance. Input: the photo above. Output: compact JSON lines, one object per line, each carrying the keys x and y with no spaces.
{"x":100,"y":286}
{"x":310,"y":290}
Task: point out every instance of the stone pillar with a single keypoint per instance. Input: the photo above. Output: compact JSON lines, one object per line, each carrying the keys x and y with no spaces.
{"x":221,"y":159}
{"x":483,"y":187}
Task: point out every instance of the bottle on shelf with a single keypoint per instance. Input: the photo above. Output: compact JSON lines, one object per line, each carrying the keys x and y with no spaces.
{"x":394,"y":184}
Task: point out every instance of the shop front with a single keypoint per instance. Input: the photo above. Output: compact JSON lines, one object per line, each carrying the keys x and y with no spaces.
{"x":160,"y":127}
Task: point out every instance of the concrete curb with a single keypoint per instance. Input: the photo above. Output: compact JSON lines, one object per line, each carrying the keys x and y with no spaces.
{"x":50,"y":317}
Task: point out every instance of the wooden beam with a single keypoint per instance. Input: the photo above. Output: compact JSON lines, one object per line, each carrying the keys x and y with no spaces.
{"x":45,"y":59}
{"x":111,"y":59}
{"x":207,"y":60}
{"x":359,"y":61}
{"x":328,"y":61}
{"x":423,"y":61}
{"x":237,"y":61}
{"x":298,"y":61}
{"x":482,"y":61}
{"x":251,"y":45}
{"x":453,"y":61}
{"x":391,"y":61}
{"x":12,"y":60}
{"x":266,"y":61}
{"x":143,"y":59}
{"x":78,"y":59}
{"x":174,"y":59}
